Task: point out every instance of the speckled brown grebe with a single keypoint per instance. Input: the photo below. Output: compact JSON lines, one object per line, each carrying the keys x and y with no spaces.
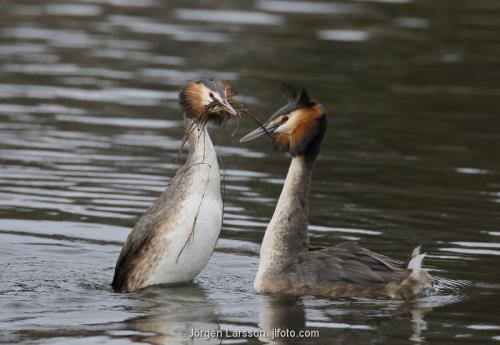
{"x":288,"y":265}
{"x":175,"y":237}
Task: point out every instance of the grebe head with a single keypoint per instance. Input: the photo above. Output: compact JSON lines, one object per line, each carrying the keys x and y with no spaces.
{"x":207,"y":99}
{"x":298,"y":127}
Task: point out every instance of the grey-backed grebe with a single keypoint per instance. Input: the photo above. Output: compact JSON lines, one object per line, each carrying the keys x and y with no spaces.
{"x":288,"y":264}
{"x":175,"y":237}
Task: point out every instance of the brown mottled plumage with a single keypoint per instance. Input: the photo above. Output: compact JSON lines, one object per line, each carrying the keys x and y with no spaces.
{"x":175,"y":237}
{"x":287,"y":263}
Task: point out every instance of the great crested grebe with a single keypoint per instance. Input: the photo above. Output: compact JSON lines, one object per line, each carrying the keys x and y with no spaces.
{"x":175,"y":237}
{"x":288,"y":265}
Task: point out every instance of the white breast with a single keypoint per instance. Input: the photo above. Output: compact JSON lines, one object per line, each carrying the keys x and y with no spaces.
{"x":191,"y":243}
{"x":194,"y":234}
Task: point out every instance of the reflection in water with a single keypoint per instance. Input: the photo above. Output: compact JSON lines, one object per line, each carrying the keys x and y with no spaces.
{"x":281,"y":314}
{"x":289,"y":315}
{"x":173,"y":314}
{"x":336,"y":320}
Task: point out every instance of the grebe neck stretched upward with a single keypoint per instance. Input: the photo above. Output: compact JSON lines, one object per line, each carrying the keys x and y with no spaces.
{"x":175,"y":237}
{"x":288,"y":264}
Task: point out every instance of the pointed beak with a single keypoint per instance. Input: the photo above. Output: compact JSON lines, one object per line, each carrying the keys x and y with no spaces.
{"x":228,"y":107}
{"x":265,"y":129}
{"x":223,"y":102}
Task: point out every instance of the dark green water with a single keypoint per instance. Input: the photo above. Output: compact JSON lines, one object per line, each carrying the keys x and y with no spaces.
{"x":90,"y":129}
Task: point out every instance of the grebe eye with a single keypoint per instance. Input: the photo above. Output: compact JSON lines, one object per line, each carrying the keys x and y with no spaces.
{"x":211,"y":94}
{"x":284,"y":118}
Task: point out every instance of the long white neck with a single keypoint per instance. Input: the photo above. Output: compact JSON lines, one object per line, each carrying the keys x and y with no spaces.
{"x":287,"y":234}
{"x":201,"y":149}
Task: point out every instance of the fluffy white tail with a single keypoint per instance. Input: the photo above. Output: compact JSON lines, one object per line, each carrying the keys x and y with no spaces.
{"x":415,"y":263}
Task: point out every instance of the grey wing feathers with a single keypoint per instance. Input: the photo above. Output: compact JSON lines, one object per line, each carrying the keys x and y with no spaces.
{"x":139,"y":242}
{"x":350,"y":263}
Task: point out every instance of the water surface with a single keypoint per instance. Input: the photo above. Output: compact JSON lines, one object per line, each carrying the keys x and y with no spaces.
{"x":90,"y":131}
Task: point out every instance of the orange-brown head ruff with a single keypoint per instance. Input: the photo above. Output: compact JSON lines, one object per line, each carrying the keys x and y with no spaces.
{"x":207,"y":99}
{"x":303,"y":126}
{"x":298,"y":127}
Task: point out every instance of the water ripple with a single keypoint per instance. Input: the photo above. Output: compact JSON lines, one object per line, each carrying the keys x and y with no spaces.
{"x":309,"y":7}
{"x":227,"y":16}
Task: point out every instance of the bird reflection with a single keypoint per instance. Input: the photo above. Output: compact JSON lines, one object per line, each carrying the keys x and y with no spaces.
{"x":281,"y":313}
{"x":341,"y":322}
{"x":173,"y":314}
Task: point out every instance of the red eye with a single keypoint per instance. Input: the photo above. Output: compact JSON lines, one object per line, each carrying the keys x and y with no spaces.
{"x":211,"y":94}
{"x":284,"y":118}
